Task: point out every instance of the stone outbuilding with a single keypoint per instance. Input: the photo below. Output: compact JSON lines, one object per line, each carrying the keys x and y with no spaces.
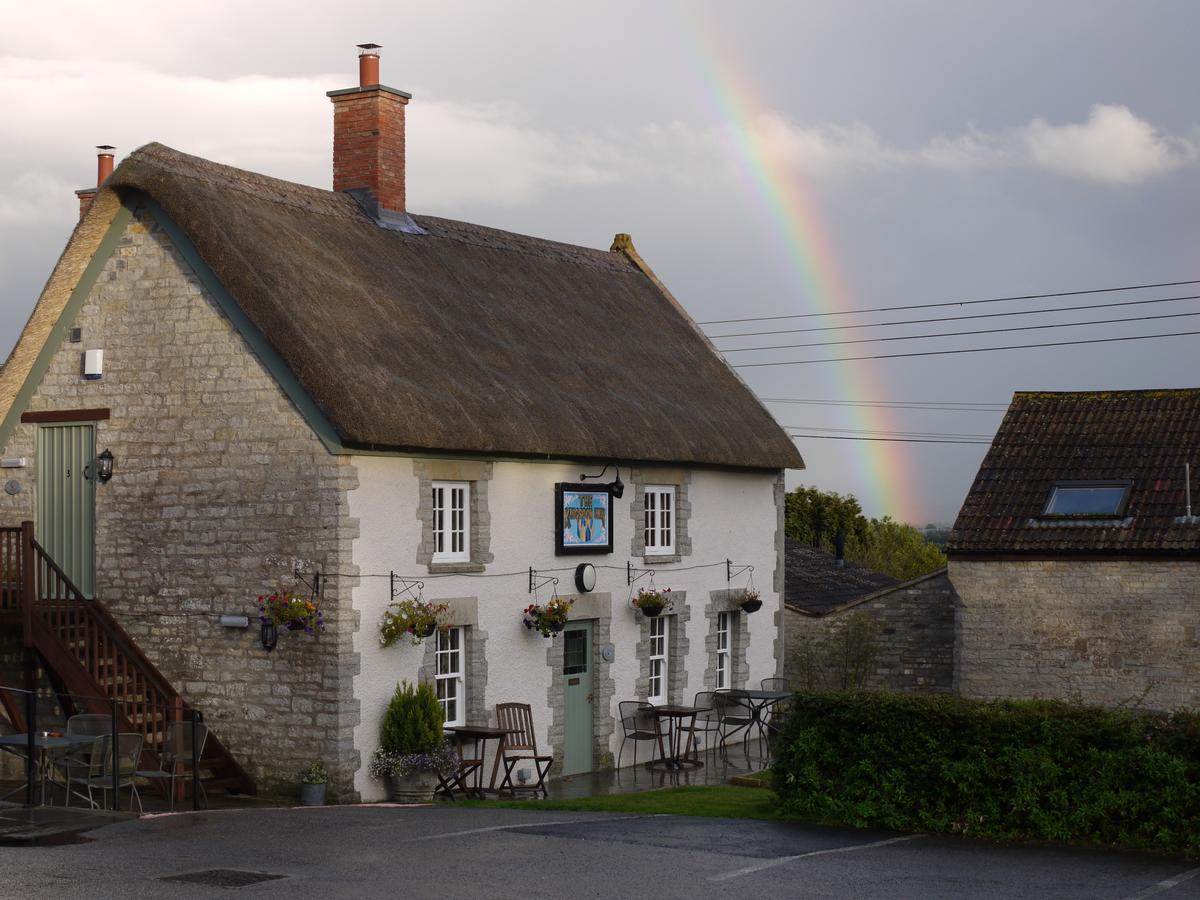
{"x":233,"y":384}
{"x":1077,"y":552}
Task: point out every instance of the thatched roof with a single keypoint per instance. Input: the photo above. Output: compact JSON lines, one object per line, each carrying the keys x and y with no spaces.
{"x":1142,"y":438}
{"x":464,"y":338}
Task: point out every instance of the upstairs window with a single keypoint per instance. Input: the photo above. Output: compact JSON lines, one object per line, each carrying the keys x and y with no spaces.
{"x":660,"y":519}
{"x":1087,"y":499}
{"x":451,"y":521}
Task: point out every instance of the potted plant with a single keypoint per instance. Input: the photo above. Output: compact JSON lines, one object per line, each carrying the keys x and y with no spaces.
{"x":312,"y":784}
{"x":748,"y":601}
{"x":290,"y":611}
{"x":413,"y":618}
{"x":412,"y":750}
{"x":651,"y":602}
{"x":549,"y":619}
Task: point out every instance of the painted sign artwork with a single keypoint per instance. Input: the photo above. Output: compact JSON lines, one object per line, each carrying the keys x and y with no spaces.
{"x":584,"y":519}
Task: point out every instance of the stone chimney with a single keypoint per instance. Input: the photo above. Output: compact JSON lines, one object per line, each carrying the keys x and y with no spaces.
{"x":368,"y":142}
{"x":104,"y":167}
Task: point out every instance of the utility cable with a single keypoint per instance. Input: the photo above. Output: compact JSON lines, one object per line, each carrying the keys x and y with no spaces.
{"x":834,"y":359}
{"x":854,"y":312}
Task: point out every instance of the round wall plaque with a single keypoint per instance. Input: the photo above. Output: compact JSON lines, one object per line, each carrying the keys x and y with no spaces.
{"x":12,"y":486}
{"x":608,"y":653}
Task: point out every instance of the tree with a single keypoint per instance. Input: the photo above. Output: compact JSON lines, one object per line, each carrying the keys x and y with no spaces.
{"x":816,"y":517}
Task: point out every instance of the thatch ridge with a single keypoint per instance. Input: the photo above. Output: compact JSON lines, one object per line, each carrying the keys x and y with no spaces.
{"x":465,"y":339}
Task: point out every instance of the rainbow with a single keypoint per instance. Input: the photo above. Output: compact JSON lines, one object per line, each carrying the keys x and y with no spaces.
{"x":804,"y":240}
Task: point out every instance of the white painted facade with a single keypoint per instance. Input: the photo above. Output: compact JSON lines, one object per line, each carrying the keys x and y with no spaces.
{"x":733,"y":515}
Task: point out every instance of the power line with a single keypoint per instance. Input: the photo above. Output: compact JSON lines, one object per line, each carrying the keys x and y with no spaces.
{"x":945,"y":406}
{"x":944,"y":334}
{"x":997,"y":315}
{"x":835,"y":437}
{"x":951,"y":303}
{"x":888,"y":432}
{"x":804,"y":362}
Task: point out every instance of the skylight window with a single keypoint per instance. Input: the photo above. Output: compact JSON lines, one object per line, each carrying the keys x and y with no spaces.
{"x":1087,"y":499}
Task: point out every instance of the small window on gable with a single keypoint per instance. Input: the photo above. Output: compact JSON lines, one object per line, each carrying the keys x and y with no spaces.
{"x":1087,"y":499}
{"x":451,"y":521}
{"x":660,"y":519}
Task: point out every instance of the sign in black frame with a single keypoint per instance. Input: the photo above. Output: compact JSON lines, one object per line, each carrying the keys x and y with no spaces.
{"x":560,"y":518}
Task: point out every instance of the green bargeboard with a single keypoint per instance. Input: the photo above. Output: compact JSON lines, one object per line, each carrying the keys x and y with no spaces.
{"x":577,"y":686}
{"x":66,"y":500}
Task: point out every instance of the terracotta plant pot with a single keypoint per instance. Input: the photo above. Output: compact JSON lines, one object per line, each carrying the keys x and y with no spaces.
{"x":415,"y":788}
{"x":312,"y":795}
{"x":752,"y":606}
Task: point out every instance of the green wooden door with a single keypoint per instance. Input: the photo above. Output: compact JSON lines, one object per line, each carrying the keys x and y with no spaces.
{"x":577,"y":686}
{"x":66,"y":499}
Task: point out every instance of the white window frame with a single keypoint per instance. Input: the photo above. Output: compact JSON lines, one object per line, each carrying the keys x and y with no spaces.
{"x":660,"y":660}
{"x":450,"y":681}
{"x":660,"y":519}
{"x":451,"y":521}
{"x":724,"y":673}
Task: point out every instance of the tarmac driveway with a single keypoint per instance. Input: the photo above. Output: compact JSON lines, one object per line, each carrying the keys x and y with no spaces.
{"x":445,"y":852}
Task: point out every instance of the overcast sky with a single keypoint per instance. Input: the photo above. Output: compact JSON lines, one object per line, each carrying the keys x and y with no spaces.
{"x":768,"y":158}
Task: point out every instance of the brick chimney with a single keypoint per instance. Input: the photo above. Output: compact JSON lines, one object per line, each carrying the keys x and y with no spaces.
{"x":104,"y":167}
{"x":368,"y":141}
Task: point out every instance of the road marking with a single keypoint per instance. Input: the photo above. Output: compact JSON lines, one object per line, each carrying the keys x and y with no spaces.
{"x":779,"y":861}
{"x":449,"y":834}
{"x":1166,"y":884}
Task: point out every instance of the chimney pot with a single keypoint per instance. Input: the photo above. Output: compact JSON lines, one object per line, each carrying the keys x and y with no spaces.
{"x":368,"y":64}
{"x":104,"y":163}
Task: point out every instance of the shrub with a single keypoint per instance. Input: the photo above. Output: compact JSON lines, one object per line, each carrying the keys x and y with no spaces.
{"x":1030,"y":769}
{"x":412,"y":722}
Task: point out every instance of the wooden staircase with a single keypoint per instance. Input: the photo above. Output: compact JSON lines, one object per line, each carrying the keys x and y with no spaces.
{"x":84,"y":648}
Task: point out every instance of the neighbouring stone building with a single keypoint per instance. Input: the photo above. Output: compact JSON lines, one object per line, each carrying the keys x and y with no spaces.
{"x":317,"y":390}
{"x":1077,"y":556}
{"x":850,"y":626}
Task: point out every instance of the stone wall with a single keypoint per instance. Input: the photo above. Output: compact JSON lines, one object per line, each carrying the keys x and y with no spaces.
{"x":220,"y":490}
{"x":1101,"y":632}
{"x":914,"y":633}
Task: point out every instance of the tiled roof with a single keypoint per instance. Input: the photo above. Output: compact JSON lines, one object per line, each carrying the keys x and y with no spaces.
{"x":1144,"y":437}
{"x":815,"y":583}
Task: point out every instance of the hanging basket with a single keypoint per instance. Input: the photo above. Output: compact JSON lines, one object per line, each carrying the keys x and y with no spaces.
{"x":556,"y":627}
{"x":752,"y":606}
{"x":652,"y":611}
{"x":425,"y":630}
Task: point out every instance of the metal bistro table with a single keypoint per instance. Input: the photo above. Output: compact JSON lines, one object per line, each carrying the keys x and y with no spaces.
{"x":43,"y":743}
{"x":677,"y":759}
{"x":760,"y":703}
{"x":479,"y":735}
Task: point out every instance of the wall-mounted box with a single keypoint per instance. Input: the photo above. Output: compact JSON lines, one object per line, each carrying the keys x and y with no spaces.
{"x":12,"y":462}
{"x":93,"y":364}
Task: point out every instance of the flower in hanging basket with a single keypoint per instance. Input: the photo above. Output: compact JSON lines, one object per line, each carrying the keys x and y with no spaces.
{"x":651,"y":602}
{"x":550,"y":618}
{"x":749,"y":600}
{"x":413,"y":618}
{"x":283,"y":609}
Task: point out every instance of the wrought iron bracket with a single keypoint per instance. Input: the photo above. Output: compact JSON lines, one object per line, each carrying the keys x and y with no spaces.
{"x":731,"y":572}
{"x":537,"y":580}
{"x":410,"y":586}
{"x":630,"y":578}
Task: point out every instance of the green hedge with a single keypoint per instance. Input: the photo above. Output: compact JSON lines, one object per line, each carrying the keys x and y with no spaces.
{"x":1042,"y":770}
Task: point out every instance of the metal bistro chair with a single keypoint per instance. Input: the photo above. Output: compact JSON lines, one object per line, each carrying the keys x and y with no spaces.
{"x":519,"y":717}
{"x":102,"y":765}
{"x":706,"y":722}
{"x":80,"y":757}
{"x":176,"y":760}
{"x":779,"y":711}
{"x":637,"y":724}
{"x":734,"y":715}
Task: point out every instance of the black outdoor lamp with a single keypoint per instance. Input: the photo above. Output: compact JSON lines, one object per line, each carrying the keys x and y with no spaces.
{"x":616,"y":486}
{"x":104,"y":466}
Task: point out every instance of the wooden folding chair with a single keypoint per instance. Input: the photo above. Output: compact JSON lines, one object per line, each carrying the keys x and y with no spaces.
{"x":458,"y":778}
{"x":519,"y":718}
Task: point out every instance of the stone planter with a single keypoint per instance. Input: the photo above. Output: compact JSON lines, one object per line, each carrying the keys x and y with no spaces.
{"x":312,"y":794}
{"x":415,"y":788}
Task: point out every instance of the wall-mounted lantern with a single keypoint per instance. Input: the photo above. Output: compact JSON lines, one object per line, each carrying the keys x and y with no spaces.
{"x":269,"y":636}
{"x":104,"y":466}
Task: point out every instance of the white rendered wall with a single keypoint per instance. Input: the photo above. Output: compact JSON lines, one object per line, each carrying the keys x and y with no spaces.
{"x":733,"y":515}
